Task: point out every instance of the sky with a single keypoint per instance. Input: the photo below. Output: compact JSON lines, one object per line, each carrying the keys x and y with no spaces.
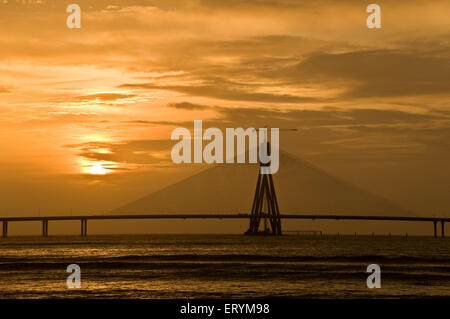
{"x":86,"y":114}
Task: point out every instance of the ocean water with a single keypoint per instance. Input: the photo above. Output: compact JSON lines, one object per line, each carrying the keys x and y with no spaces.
{"x":218,"y":266}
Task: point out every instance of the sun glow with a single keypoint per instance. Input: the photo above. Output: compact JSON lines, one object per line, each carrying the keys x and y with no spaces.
{"x":97,"y":167}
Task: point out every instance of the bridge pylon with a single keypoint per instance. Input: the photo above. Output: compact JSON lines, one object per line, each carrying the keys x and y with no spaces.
{"x":265,"y":205}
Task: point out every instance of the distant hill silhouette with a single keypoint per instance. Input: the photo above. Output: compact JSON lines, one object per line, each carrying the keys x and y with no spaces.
{"x":229,"y":188}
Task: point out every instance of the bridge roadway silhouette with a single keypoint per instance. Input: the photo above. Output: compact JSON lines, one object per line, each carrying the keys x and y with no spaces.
{"x":84,"y":219}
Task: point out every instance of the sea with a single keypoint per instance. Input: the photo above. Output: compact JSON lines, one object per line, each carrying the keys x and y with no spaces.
{"x":224,"y":266}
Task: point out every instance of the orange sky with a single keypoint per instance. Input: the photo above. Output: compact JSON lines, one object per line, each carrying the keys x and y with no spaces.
{"x":86,"y":114}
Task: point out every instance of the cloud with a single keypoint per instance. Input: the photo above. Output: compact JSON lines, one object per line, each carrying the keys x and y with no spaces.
{"x":354,"y":134}
{"x":328,"y":116}
{"x":370,"y":132}
{"x":258,"y":69}
{"x":164,"y":123}
{"x":225,"y":91}
{"x":379,"y":73}
{"x":104,"y":97}
{"x":126,"y":152}
{"x":4,"y":89}
{"x":187,"y":106}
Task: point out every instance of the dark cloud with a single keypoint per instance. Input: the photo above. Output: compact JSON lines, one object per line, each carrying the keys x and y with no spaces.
{"x":4,"y":89}
{"x":325,"y":117}
{"x":377,"y":73}
{"x":187,"y":106}
{"x":279,"y":47}
{"x":271,"y":4}
{"x":266,"y":62}
{"x":225,"y":91}
{"x":157,"y":123}
{"x":107,"y":96}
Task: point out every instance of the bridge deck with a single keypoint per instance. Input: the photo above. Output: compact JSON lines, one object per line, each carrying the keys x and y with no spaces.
{"x":223,"y":216}
{"x":85,"y":218}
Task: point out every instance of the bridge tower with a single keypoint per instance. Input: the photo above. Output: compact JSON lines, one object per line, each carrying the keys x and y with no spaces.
{"x":265,"y":194}
{"x":265,"y":203}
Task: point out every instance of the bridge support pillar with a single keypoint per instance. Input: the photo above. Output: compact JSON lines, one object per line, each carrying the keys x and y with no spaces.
{"x":265,"y":194}
{"x":83,"y":227}
{"x":435,"y":228}
{"x":44,"y":228}
{"x":442,"y":228}
{"x":5,"y":229}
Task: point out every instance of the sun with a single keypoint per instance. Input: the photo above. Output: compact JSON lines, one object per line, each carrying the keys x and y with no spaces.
{"x":97,"y":169}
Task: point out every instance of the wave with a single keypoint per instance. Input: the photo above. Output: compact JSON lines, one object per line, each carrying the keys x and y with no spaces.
{"x":266,"y":258}
{"x":17,"y":262}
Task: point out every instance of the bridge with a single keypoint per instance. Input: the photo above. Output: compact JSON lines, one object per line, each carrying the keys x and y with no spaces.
{"x":304,"y":232}
{"x":85,"y":218}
